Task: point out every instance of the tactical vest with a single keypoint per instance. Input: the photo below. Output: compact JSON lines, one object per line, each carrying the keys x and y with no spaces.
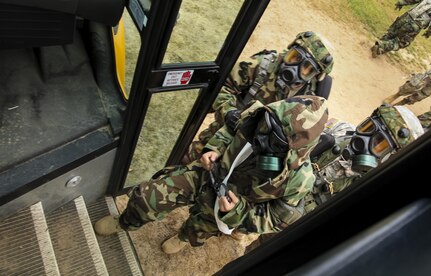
{"x":421,"y":13}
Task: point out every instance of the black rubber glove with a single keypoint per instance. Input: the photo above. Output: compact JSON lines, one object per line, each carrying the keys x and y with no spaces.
{"x":231,"y":119}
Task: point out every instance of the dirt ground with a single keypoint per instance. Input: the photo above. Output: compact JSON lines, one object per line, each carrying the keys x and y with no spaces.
{"x":360,"y":83}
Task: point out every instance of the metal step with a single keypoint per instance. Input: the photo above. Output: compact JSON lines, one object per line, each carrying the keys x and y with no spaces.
{"x":64,"y":243}
{"x":75,"y":244}
{"x":25,"y":244}
{"x":117,"y":250}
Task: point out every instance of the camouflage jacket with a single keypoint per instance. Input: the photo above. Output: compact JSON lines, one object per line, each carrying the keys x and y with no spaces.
{"x":269,"y":202}
{"x":420,"y":80}
{"x":333,"y":173}
{"x":235,"y":92}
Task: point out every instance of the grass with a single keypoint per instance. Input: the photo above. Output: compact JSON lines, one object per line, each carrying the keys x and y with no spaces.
{"x":375,"y":17}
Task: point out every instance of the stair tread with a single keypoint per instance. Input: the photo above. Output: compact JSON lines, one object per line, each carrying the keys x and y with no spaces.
{"x":117,"y":250}
{"x":63,"y":242}
{"x":74,"y":247}
{"x":26,"y":245}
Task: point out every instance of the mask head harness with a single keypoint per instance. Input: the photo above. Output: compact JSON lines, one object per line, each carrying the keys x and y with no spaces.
{"x":381,"y":134}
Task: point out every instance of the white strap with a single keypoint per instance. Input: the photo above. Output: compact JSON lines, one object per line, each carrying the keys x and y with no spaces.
{"x":242,"y":155}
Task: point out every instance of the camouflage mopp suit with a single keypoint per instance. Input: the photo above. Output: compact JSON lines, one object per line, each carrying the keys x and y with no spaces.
{"x":425,"y":119}
{"x":268,"y":201}
{"x":333,"y":173}
{"x":255,"y":79}
{"x":405,"y":28}
{"x":414,"y":90}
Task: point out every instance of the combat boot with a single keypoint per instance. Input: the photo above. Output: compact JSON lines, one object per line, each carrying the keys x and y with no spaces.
{"x":237,"y":235}
{"x":107,"y":226}
{"x":375,"y":51}
{"x":390,"y":99}
{"x":173,"y":245}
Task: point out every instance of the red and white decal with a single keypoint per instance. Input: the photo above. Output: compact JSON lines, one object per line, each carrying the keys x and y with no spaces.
{"x":174,"y":78}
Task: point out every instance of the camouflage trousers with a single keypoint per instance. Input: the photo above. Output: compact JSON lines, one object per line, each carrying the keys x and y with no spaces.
{"x":413,"y":93}
{"x":399,"y":35}
{"x":425,"y":119}
{"x":171,"y":188}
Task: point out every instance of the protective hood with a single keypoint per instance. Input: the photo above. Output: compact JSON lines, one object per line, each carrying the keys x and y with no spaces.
{"x":398,"y":119}
{"x":302,"y":120}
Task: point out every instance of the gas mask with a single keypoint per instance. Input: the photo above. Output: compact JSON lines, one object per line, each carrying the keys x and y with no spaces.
{"x":265,"y":133}
{"x":269,"y":143}
{"x":370,"y":143}
{"x":297,"y":68}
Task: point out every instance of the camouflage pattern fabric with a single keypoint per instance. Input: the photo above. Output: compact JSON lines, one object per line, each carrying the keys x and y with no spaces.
{"x":333,"y":173}
{"x":425,"y":119}
{"x":268,"y":201}
{"x":408,"y":2}
{"x":329,"y":166}
{"x":314,"y":45}
{"x":421,"y":13}
{"x":416,"y":89}
{"x":234,"y":95}
{"x":399,"y":35}
{"x":395,"y":122}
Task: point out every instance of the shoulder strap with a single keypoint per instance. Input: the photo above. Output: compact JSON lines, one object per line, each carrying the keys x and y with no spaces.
{"x":267,"y":65}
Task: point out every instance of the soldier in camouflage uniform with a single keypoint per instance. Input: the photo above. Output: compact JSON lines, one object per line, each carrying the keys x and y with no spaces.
{"x":269,"y":76}
{"x":415,"y":90}
{"x":405,"y":28}
{"x":389,"y":129}
{"x":425,"y":119}
{"x":266,"y":188}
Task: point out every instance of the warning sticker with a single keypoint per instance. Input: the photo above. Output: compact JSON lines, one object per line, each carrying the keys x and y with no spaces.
{"x":173,"y":78}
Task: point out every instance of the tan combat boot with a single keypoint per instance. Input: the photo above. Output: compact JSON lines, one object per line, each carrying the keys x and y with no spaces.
{"x":375,"y":51}
{"x":173,"y":245}
{"x":107,"y":226}
{"x":390,"y":99}
{"x":237,"y":235}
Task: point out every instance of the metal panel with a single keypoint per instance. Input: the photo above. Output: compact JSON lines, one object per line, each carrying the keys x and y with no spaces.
{"x":89,"y":180}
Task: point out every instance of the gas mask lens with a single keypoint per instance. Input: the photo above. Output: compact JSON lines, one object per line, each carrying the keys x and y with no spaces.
{"x":380,"y":145}
{"x":367,"y":127}
{"x":372,"y":134}
{"x":293,"y":56}
{"x":308,"y":68}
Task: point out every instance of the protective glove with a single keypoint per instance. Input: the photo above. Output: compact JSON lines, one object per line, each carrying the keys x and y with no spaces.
{"x":399,"y":5}
{"x":231,"y":118}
